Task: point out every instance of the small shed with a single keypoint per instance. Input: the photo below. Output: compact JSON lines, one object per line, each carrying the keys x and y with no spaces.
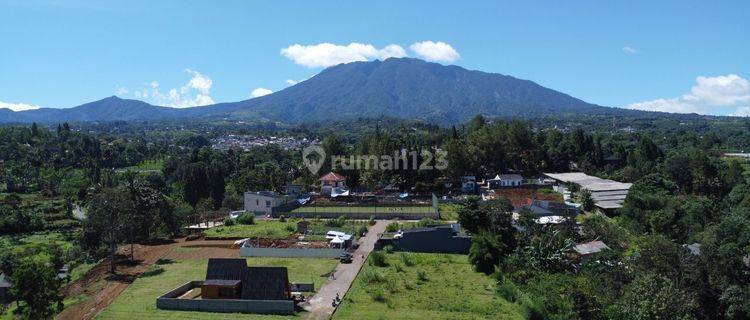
{"x":221,"y":289}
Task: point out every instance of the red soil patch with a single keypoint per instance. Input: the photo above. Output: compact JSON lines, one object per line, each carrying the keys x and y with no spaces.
{"x":518,"y":196}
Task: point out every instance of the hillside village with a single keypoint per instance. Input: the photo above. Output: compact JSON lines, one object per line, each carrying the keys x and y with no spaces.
{"x":405,"y":160}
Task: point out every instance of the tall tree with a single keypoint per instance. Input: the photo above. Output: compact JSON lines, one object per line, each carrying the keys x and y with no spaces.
{"x":36,"y":287}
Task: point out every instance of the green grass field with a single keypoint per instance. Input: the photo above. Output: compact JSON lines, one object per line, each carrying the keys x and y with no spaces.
{"x":139,"y":300}
{"x":271,"y":229}
{"x":449,"y":211}
{"x":447,"y":289}
{"x":354,"y":209}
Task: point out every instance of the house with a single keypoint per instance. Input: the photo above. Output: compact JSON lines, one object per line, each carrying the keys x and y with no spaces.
{"x":264,"y":202}
{"x":293,"y":189}
{"x":505,"y":181}
{"x":587,"y":249}
{"x":431,"y":239}
{"x":468,"y":184}
{"x":231,"y":286}
{"x":332,"y":181}
{"x":4,"y":289}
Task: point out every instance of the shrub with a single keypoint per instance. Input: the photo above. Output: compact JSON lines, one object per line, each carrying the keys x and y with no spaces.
{"x":371,"y":221}
{"x":392,"y":227}
{"x":388,"y":249}
{"x":391,"y":284}
{"x":398,"y":267}
{"x":422,"y":276}
{"x":246,"y":218}
{"x":372,"y":276}
{"x":228,"y":222}
{"x":406,"y":259}
{"x":377,"y":258}
{"x":362,"y":230}
{"x":508,"y":291}
{"x":379,"y":296}
{"x":282,"y":218}
{"x":290,"y":228}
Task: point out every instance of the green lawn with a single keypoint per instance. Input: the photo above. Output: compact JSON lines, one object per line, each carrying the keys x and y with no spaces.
{"x":448,"y":289}
{"x":271,"y":229}
{"x":139,"y":300}
{"x":364,"y":209}
{"x":449,"y":211}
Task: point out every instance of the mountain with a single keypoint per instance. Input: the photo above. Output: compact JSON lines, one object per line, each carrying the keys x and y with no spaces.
{"x":397,"y":87}
{"x":107,"y":109}
{"x":407,"y":88}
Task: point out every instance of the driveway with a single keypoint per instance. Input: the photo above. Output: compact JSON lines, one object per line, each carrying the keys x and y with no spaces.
{"x":321,"y":304}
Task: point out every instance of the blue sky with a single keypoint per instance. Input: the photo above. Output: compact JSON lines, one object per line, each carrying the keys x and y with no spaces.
{"x":680,"y":56}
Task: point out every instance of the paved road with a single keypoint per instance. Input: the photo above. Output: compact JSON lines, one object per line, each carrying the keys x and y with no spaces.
{"x":321,"y":304}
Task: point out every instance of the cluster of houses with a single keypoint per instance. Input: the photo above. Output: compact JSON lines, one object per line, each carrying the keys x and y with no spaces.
{"x":246,"y":142}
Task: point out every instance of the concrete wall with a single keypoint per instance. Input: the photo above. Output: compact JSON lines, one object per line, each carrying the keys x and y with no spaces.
{"x":302,"y":287}
{"x":289,"y":252}
{"x":168,"y":301}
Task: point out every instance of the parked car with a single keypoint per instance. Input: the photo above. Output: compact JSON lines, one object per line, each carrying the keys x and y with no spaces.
{"x":345,"y":257}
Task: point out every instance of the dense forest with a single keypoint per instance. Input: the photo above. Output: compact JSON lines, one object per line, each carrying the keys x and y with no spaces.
{"x":138,"y":182}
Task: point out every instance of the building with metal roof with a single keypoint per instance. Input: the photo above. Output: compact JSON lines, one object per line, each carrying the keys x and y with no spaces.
{"x":607,"y":194}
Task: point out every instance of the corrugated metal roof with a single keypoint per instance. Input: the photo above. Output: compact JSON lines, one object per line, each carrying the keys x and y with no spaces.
{"x":590,"y":247}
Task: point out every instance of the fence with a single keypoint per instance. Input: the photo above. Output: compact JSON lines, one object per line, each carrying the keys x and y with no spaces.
{"x":171,"y":301}
{"x":290,"y":252}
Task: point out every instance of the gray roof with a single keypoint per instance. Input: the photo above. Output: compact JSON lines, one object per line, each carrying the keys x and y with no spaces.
{"x":590,"y":247}
{"x":509,"y":176}
{"x":607,"y":194}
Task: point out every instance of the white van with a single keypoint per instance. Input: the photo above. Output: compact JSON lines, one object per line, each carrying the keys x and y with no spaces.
{"x":330,"y":235}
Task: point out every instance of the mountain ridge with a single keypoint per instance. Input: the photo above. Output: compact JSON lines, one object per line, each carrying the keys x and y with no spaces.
{"x":405,"y":88}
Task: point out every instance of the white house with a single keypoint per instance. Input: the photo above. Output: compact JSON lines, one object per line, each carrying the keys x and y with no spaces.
{"x":505,"y":180}
{"x":263,"y":202}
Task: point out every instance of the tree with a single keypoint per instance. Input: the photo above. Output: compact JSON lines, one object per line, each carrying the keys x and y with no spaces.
{"x":108,"y":215}
{"x":653,"y":296}
{"x":587,"y":202}
{"x":485,"y":252}
{"x":472,"y":216}
{"x":37,"y":288}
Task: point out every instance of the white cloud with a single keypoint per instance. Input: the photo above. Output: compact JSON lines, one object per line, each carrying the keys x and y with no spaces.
{"x":435,"y":51}
{"x":291,"y":82}
{"x":259,"y":92}
{"x":629,"y":49}
{"x":196,"y":92}
{"x":328,"y":54}
{"x":18,"y":106}
{"x":121,"y":91}
{"x":710,"y":95}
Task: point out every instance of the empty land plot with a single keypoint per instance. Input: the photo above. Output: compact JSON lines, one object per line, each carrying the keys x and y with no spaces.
{"x":365,"y":209}
{"x":277,"y":230}
{"x":424,"y":286}
{"x":139,"y":300}
{"x":266,"y":229}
